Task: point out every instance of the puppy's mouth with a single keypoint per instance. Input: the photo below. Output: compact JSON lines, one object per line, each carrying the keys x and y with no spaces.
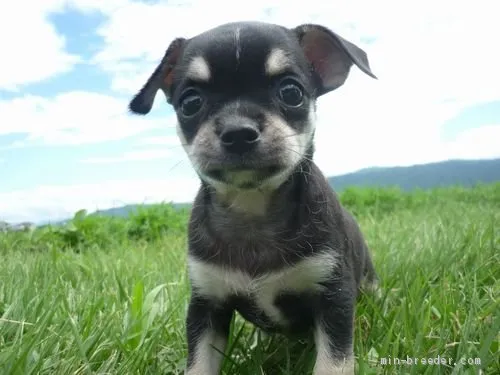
{"x":244,"y":178}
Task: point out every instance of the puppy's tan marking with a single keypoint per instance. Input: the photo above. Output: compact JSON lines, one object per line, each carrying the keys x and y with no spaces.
{"x":198,"y":70}
{"x":277,"y":62}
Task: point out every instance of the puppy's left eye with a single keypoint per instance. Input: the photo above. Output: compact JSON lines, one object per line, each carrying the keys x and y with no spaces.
{"x":190,"y":103}
{"x":290,"y":93}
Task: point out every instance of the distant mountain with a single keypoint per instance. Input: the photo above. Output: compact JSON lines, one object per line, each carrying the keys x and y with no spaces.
{"x":447,"y":173}
{"x":118,"y":211}
{"x":425,"y":176}
{"x":130,"y":208}
{"x":24,"y":226}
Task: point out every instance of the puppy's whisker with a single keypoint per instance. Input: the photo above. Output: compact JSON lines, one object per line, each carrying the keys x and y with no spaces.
{"x":304,"y":157}
{"x":176,"y":165}
{"x":173,"y":147}
{"x":286,"y":136}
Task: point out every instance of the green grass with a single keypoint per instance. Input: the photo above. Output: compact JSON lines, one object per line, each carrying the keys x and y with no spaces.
{"x":109,"y":295}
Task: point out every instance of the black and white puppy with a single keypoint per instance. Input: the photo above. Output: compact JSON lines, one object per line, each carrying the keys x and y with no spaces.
{"x":267,"y":236}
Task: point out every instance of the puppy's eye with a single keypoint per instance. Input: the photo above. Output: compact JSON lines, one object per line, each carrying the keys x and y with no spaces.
{"x":290,"y":93}
{"x":190,"y":103}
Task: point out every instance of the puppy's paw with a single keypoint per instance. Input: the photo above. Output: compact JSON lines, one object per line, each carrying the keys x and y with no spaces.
{"x":199,"y":371}
{"x":343,"y":368}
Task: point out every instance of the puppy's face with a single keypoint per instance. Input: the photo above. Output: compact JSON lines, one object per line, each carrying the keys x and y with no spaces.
{"x":245,"y":103}
{"x":244,"y":94}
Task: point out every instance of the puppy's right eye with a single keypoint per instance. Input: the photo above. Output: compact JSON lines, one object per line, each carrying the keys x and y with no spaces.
{"x":290,"y":93}
{"x":190,"y":103}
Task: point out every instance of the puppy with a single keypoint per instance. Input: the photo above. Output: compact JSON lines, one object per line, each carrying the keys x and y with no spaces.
{"x":268,"y":237}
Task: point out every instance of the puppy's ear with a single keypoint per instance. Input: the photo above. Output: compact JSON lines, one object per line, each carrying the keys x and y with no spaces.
{"x":161,"y":78}
{"x":330,"y":55}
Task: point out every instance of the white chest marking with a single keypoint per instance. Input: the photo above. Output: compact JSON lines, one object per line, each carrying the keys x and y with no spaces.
{"x":220,"y":282}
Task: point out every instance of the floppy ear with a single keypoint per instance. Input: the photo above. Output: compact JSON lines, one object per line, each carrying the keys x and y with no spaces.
{"x":330,"y":55}
{"x":160,"y":79}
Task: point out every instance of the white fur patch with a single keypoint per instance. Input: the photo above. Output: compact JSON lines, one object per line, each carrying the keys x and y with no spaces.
{"x":277,"y":62}
{"x":238,"y":45}
{"x":220,"y":282}
{"x":325,"y":365}
{"x":208,"y":356}
{"x":199,"y":70}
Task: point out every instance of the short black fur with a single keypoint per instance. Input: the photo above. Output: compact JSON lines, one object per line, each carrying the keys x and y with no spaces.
{"x":303,"y":216}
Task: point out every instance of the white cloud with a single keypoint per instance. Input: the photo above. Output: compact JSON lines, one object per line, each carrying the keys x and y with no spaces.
{"x":89,"y":6}
{"x":348,"y":150}
{"x":143,"y":155}
{"x":75,"y":117}
{"x":475,"y":143}
{"x":424,"y":44}
{"x":431,"y":63}
{"x":433,"y":59}
{"x":60,"y":202}
{"x":32,"y":49}
{"x":130,"y":53}
{"x":164,"y":140}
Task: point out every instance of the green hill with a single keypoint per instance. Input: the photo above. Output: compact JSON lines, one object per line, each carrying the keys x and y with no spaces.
{"x":465,"y":173}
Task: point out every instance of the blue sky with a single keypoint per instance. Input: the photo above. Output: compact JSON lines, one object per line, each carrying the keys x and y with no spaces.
{"x":70,"y":67}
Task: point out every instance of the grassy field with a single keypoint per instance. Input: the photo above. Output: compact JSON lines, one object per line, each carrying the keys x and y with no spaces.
{"x":108,"y":295}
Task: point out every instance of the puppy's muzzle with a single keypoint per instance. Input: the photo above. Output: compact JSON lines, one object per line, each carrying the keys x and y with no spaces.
{"x":244,"y":158}
{"x":239,"y":137}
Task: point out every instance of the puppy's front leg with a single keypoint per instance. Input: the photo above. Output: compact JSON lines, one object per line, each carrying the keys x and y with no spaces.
{"x":207,"y":328}
{"x":334,"y":332}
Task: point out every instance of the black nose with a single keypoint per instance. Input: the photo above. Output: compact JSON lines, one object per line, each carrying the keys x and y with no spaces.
{"x":239,"y":138}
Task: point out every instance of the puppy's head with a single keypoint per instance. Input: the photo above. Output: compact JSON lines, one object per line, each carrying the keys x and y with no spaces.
{"x":244,"y":94}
